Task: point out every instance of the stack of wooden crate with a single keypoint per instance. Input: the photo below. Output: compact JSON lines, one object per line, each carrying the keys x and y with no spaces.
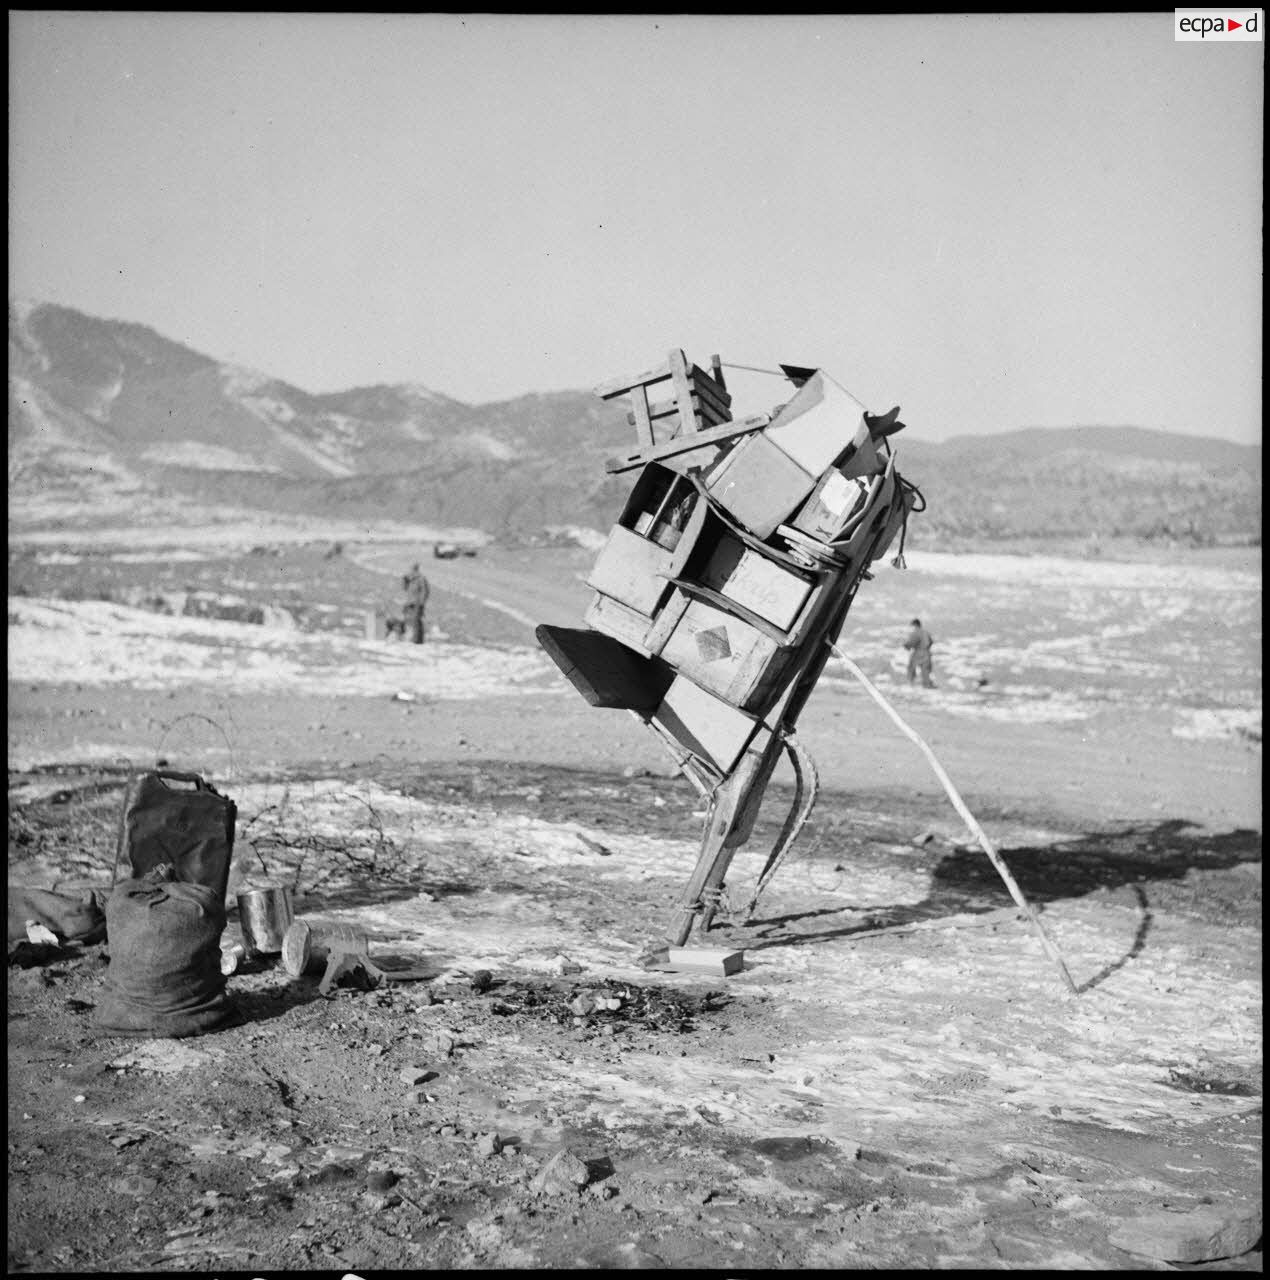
{"x":734,"y":557}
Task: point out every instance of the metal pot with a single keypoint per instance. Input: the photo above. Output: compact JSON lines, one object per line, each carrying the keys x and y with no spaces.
{"x":265,"y":915}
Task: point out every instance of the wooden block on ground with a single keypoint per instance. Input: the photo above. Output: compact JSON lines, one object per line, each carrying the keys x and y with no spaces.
{"x":712,"y":960}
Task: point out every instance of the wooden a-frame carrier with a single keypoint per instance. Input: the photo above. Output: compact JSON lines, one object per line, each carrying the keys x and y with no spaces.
{"x":726,"y":581}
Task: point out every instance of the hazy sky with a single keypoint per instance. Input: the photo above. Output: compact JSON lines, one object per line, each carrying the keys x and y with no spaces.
{"x":994,"y":221}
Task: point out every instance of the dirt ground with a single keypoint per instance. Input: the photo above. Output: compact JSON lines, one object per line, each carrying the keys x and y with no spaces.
{"x":897,"y":1077}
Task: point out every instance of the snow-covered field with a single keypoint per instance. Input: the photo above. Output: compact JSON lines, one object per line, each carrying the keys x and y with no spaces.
{"x":1103,"y":1058}
{"x":1024,"y":639}
{"x":1038,"y":638}
{"x":94,"y":642}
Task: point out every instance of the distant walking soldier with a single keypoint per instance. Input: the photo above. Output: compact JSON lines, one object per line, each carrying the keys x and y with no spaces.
{"x":416,"y":586}
{"x":918,"y":643}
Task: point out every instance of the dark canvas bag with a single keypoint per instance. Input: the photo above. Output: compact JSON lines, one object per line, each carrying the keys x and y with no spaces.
{"x":164,"y":977}
{"x":166,"y":910}
{"x":177,"y":820}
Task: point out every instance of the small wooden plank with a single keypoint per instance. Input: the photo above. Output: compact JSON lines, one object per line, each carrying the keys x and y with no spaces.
{"x":710,"y":413}
{"x":683,"y":392}
{"x":706,"y":387}
{"x":651,"y":377}
{"x":712,"y":960}
{"x":639,"y":416}
{"x":696,"y":591}
{"x":620,"y":386}
{"x":702,"y":458}
{"x":665,"y":622}
{"x":681,"y":444}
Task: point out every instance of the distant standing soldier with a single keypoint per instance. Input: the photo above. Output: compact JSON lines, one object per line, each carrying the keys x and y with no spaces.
{"x":918,"y":643}
{"x":416,"y":586}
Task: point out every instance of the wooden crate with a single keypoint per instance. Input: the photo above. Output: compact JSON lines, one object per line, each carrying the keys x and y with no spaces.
{"x":654,"y":535}
{"x":660,"y":505}
{"x":700,"y":399}
{"x":620,"y":621}
{"x":759,"y":485}
{"x":725,"y":655}
{"x":833,"y":503}
{"x":752,"y":580}
{"x":859,"y":539}
{"x":704,"y":725}
{"x":708,"y":410}
{"x":633,"y":570}
{"x":819,"y":424}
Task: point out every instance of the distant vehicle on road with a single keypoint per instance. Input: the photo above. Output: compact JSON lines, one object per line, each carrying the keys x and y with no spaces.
{"x":451,"y":550}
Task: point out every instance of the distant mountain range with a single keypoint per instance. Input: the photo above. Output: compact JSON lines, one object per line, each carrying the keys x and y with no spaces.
{"x":104,"y":413}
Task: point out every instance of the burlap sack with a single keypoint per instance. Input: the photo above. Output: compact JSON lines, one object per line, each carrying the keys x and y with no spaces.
{"x":164,"y":977}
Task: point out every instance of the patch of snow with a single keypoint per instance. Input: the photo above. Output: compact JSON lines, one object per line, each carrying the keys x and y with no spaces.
{"x":892,"y":1037}
{"x":156,"y":557}
{"x":204,"y":457}
{"x":1042,"y":570}
{"x":238,"y":380}
{"x":105,"y":397}
{"x":414,"y":431}
{"x":490,"y":445}
{"x":417,"y":391}
{"x":182,"y":524}
{"x":270,"y":408}
{"x":21,"y":308}
{"x":315,"y":455}
{"x":1212,"y":723}
{"x":27,"y":755}
{"x":48,"y":432}
{"x":587,"y":539}
{"x":57,"y":557}
{"x":96,"y":642}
